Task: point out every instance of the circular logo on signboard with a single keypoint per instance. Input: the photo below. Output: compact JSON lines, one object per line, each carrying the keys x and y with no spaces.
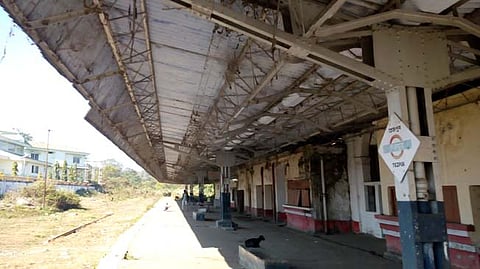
{"x":396,"y":139}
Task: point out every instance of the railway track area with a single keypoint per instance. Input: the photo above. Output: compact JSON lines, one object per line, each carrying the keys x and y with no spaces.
{"x":76,"y":238}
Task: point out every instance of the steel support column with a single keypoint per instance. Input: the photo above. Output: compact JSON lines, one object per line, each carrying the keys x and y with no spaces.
{"x":226,"y":160}
{"x":417,"y":59}
{"x":201,"y":176}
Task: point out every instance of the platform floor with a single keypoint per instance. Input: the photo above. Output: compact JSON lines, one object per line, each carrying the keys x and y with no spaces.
{"x":172,"y":239}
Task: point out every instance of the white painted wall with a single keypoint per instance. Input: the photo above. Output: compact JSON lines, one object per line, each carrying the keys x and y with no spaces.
{"x":8,"y":185}
{"x":358,"y":165}
{"x":458,"y":143}
{"x":354,"y":173}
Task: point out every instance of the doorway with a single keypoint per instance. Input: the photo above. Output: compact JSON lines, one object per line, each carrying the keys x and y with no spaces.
{"x":370,"y":195}
{"x":240,"y":201}
{"x":268,"y":210}
{"x":259,"y":200}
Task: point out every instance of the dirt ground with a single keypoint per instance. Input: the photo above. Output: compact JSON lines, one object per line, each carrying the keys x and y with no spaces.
{"x":24,"y":235}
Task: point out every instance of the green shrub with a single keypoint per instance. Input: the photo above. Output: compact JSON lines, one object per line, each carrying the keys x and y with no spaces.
{"x":59,"y":200}
{"x":36,"y":190}
{"x":63,"y":200}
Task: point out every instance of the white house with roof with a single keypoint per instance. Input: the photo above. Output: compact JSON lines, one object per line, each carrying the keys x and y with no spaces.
{"x":31,"y":157}
{"x":12,"y":149}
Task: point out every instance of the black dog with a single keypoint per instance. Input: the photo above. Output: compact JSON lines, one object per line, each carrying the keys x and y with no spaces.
{"x":254,"y":242}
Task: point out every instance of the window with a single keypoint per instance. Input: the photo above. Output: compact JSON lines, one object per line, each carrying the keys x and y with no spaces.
{"x":34,"y":156}
{"x":34,"y":169}
{"x":76,"y":160}
{"x":19,"y":150}
{"x":11,"y":147}
{"x":370,"y":203}
{"x":299,"y":193}
{"x":450,"y":198}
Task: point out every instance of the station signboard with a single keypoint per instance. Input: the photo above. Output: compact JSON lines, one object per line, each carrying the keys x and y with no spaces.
{"x":398,"y":147}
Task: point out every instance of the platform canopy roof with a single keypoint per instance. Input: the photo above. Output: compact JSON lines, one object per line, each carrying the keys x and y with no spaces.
{"x":173,"y":82}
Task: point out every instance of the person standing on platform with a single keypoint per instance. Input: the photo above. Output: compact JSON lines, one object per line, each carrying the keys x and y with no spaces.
{"x":184,"y":199}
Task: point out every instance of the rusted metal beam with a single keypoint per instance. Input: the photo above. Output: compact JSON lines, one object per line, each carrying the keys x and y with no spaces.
{"x":46,"y":21}
{"x":229,"y":75}
{"x":289,"y":43}
{"x":329,"y":11}
{"x":114,"y":133}
{"x":195,"y":156}
{"x":265,"y":80}
{"x":113,"y":44}
{"x":419,"y":17}
{"x":97,"y":77}
{"x":463,"y":76}
{"x":326,"y":14}
{"x":464,"y":48}
{"x":354,"y":101}
{"x":150,"y":121}
{"x":293,"y":85}
{"x":453,"y":8}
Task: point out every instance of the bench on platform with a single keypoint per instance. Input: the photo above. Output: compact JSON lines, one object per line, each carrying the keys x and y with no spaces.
{"x":199,"y":214}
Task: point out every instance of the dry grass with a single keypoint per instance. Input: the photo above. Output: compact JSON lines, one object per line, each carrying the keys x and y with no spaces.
{"x":24,"y":233}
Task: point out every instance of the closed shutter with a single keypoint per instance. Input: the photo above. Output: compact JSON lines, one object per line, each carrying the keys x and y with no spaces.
{"x":452,"y":213}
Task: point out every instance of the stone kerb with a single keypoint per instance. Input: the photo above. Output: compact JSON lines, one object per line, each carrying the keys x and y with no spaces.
{"x":256,"y":259}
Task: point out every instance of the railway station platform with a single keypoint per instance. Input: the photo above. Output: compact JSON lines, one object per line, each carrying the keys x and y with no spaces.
{"x":171,"y":238}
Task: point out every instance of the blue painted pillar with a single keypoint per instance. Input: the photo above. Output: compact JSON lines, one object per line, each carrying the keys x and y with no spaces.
{"x":226,"y":161}
{"x":416,"y":61}
{"x":420,"y":208}
{"x":226,"y":215}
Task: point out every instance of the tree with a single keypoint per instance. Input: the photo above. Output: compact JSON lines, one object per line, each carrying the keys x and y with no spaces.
{"x":71,"y":174}
{"x":111,"y":169}
{"x":96,"y":174}
{"x":64,"y":170}
{"x":14,"y":169}
{"x":75,"y":172}
{"x":131,"y":175}
{"x":89,"y":174}
{"x":56,"y":169}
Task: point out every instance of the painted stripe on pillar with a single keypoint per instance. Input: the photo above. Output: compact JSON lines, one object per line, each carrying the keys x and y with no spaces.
{"x":391,"y":233}
{"x":464,"y":247}
{"x":451,"y":244}
{"x":388,"y":222}
{"x":457,"y":232}
{"x":390,"y":227}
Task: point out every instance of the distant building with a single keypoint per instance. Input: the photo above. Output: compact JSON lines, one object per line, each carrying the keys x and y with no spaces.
{"x":31,"y":157}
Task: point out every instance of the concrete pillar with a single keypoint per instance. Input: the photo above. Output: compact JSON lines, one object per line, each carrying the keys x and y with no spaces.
{"x":418,"y":59}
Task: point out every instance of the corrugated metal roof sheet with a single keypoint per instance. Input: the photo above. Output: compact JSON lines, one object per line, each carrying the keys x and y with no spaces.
{"x":170,"y":88}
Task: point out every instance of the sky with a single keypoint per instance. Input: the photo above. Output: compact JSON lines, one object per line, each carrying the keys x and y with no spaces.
{"x":35,"y":98}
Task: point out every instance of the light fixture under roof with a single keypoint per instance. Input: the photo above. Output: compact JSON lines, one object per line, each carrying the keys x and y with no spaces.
{"x":266,"y":120}
{"x":292,"y":100}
